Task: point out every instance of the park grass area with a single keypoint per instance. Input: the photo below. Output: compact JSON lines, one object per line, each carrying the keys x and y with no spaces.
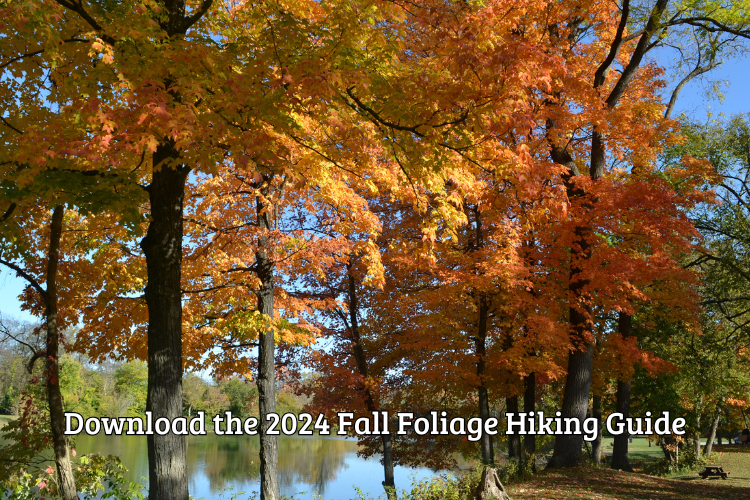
{"x":586,"y":483}
{"x":593,"y":483}
{"x":639,"y":451}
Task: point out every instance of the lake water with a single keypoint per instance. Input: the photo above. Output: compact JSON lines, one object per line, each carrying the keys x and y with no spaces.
{"x":220,"y":466}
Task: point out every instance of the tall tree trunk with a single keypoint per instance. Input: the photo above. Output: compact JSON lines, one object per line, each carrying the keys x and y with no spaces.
{"x":56,"y":413}
{"x":620,"y":452}
{"x":578,"y":382}
{"x":596,"y":445}
{"x":485,"y":442}
{"x":480,"y":343}
{"x":162,"y":247}
{"x":358,"y":351}
{"x":269,"y":459}
{"x":529,"y":405}
{"x":712,"y":433}
{"x":514,"y":440}
{"x":697,"y":434}
{"x":567,"y":451}
{"x":620,"y":458}
{"x":389,"y":483}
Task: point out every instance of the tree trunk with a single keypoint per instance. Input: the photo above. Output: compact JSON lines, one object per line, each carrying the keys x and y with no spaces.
{"x":485,"y":442}
{"x":389,"y":483}
{"x":358,"y":351}
{"x":56,"y":413}
{"x":567,"y":452}
{"x":578,"y":382}
{"x":712,"y":433}
{"x":269,"y":459}
{"x":667,"y":442}
{"x":162,"y":247}
{"x":529,"y":405}
{"x":620,"y":452}
{"x":514,"y":440}
{"x":596,"y":445}
{"x":697,"y":434}
{"x":620,"y":458}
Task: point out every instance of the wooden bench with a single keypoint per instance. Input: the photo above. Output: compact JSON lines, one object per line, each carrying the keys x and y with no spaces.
{"x":713,"y":471}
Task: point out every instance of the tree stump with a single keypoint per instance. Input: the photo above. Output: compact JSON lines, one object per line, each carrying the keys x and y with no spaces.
{"x":490,"y":487}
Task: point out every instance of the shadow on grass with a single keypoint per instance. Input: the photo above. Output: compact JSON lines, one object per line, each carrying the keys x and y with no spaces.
{"x":604,"y":484}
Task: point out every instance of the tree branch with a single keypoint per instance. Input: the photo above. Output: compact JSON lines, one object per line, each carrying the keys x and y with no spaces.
{"x":191,"y":20}
{"x":601,"y":72}
{"x":77,"y":7}
{"x":30,"y":279}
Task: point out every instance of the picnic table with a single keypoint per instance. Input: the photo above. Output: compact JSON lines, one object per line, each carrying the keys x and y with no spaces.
{"x":713,"y":471}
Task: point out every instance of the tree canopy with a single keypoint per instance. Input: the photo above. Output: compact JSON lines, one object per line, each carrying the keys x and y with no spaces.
{"x":432,"y":205}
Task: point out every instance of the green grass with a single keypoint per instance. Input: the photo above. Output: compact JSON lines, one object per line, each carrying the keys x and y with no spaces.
{"x":590,"y":483}
{"x":638,"y":450}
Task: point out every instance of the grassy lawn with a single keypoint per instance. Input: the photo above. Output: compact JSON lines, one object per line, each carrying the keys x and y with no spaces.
{"x":587,"y":483}
{"x":735,"y":460}
{"x":638,"y":450}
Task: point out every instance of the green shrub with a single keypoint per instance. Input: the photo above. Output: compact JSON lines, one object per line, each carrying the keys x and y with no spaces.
{"x":96,"y":477}
{"x":460,"y":486}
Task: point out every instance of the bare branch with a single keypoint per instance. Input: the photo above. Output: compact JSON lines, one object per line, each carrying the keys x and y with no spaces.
{"x":30,"y":279}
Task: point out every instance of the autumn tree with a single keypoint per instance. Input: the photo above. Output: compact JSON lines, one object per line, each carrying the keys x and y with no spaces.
{"x":48,"y":295}
{"x":166,"y":120}
{"x":629,"y":32}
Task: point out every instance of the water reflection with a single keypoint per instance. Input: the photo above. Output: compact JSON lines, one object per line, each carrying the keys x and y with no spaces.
{"x":227,"y":460}
{"x":218,"y":464}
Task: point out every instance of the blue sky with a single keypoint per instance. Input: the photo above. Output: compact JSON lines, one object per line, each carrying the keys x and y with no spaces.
{"x":694,"y":102}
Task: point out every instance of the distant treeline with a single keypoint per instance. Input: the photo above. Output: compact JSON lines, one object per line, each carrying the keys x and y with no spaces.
{"x":114,"y":389}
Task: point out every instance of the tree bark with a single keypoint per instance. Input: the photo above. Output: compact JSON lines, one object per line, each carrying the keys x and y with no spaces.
{"x":485,"y":442}
{"x":697,"y":438}
{"x":358,"y":351}
{"x":596,"y":445}
{"x":56,"y":413}
{"x":712,"y":433}
{"x":529,"y":405}
{"x":269,"y":459}
{"x":162,"y":247}
{"x":620,"y":458}
{"x":567,"y":451}
{"x":620,"y":452}
{"x":514,"y":440}
{"x":389,"y":483}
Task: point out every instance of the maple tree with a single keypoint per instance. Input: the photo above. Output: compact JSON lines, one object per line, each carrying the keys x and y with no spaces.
{"x":607,"y":100}
{"x":167,"y":120}
{"x":49,"y":297}
{"x":288,"y":143}
{"x":36,"y":192}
